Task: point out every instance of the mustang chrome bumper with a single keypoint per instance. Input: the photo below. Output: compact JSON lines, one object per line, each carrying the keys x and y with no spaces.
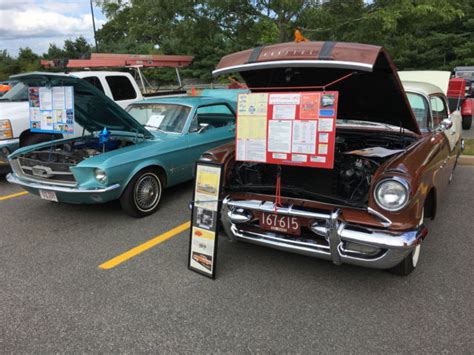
{"x":35,"y":185}
{"x":338,"y":241}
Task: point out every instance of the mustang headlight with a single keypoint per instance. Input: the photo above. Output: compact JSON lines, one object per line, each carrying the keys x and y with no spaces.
{"x":391,"y":194}
{"x":5,"y":129}
{"x":100,"y":175}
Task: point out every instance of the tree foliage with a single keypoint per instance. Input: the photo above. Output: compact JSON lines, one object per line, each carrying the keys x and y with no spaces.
{"x":419,"y":34}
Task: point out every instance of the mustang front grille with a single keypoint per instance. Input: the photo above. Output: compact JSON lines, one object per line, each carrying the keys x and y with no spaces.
{"x":43,"y":171}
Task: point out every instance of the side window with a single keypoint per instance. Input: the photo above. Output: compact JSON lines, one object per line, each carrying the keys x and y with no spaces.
{"x":94,"y":81}
{"x":214,"y":116}
{"x":439,"y":110}
{"x":419,"y":106}
{"x":121,"y":88}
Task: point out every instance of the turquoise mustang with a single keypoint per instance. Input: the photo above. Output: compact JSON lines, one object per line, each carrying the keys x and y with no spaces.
{"x":152,"y":146}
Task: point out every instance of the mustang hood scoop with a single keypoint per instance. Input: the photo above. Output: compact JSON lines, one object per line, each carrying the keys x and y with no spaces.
{"x":93,"y":110}
{"x":371,"y":90}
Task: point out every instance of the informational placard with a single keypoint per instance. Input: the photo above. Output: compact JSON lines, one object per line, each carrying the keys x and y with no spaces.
{"x":205,"y":212}
{"x":287,"y":128}
{"x":52,"y":109}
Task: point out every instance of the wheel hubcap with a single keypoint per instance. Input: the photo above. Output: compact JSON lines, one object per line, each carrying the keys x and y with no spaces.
{"x":147,"y":192}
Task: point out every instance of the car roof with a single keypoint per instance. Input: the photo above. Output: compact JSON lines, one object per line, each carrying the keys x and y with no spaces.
{"x":186,"y":100}
{"x":426,"y":88}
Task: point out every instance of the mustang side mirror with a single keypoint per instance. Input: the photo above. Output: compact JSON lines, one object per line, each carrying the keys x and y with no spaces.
{"x":202,"y":127}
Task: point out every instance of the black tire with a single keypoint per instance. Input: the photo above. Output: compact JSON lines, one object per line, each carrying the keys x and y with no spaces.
{"x":466,"y":122}
{"x":35,"y":138}
{"x":142,"y":196}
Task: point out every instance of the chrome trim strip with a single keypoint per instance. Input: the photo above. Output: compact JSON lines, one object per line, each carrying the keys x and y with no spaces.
{"x":385,"y":221}
{"x":295,"y":63}
{"x":33,"y":185}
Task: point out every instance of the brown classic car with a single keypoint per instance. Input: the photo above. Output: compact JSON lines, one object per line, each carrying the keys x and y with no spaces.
{"x":395,"y":152}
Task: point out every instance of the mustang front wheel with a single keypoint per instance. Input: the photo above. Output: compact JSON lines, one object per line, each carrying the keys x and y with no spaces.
{"x":143,"y":194}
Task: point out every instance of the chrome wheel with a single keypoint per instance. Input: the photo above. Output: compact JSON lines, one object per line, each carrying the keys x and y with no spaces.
{"x":147,"y":192}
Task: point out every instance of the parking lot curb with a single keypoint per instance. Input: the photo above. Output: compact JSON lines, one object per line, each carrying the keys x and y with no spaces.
{"x":466,"y":160}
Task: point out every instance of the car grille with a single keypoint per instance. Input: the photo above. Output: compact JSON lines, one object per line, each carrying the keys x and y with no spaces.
{"x":45,"y":172}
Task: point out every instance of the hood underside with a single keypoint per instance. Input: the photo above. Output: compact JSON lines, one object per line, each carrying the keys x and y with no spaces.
{"x":93,"y":109}
{"x":371,"y":91}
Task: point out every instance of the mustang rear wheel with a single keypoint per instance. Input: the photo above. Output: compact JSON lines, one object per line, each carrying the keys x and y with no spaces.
{"x":142,"y":196}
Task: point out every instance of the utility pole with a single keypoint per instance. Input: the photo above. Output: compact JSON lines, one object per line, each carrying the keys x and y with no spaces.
{"x":93,"y":25}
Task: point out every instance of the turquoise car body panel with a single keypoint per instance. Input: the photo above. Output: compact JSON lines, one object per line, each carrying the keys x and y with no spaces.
{"x":173,"y":154}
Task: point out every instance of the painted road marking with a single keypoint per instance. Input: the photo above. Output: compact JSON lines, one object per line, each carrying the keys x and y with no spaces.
{"x":145,"y":246}
{"x":13,"y":195}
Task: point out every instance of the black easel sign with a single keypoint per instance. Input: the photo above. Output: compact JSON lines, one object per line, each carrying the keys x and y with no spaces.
{"x":205,"y":212}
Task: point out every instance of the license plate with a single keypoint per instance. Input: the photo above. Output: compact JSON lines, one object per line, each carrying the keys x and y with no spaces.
{"x":278,"y":223}
{"x":48,"y":195}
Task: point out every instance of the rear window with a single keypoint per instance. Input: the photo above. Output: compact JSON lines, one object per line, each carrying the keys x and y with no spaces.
{"x":94,"y":81}
{"x":121,"y":87}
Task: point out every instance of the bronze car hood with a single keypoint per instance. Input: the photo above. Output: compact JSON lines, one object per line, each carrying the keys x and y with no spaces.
{"x":92,"y":108}
{"x":370,"y":89}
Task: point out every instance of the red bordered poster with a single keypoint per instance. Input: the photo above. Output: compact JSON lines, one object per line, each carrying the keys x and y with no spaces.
{"x":287,"y":128}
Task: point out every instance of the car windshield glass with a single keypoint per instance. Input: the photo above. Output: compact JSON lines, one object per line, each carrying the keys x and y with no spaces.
{"x":17,"y":93}
{"x":420,"y":109}
{"x":163,"y":117}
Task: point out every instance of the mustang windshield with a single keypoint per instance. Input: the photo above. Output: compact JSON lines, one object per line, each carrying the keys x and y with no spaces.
{"x":163,"y":117}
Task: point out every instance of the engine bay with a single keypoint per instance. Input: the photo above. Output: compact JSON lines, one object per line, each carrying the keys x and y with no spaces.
{"x":73,"y":152}
{"x":357,"y":158}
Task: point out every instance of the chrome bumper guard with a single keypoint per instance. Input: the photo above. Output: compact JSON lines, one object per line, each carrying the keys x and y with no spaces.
{"x":341,"y":242}
{"x":34,"y":185}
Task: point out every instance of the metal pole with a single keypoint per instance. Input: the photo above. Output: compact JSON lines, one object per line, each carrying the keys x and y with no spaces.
{"x":141,"y":79}
{"x":93,"y":25}
{"x":179,"y":78}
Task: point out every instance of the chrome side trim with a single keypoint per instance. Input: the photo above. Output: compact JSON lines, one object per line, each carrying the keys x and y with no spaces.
{"x":295,"y":63}
{"x":33,"y":185}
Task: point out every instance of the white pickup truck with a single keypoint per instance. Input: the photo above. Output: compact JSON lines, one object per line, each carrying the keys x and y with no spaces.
{"x":14,"y":110}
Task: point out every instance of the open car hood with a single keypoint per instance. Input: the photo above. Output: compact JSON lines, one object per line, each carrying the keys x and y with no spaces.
{"x":93,"y":109}
{"x":373,"y":92}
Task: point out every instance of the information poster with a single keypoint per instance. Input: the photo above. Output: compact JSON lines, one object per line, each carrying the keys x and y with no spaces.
{"x":203,"y":239}
{"x":287,"y":128}
{"x":52,"y":109}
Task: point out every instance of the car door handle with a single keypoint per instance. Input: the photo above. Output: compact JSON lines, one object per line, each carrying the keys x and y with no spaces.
{"x":231,"y":129}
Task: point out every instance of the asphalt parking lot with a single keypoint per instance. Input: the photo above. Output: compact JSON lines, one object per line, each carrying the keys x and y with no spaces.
{"x":54,"y":297}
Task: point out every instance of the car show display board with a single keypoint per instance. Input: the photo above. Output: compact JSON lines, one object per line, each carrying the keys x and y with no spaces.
{"x":205,"y":211}
{"x":51,"y":109}
{"x":287,"y":128}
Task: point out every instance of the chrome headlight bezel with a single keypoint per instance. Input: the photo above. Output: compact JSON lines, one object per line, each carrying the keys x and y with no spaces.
{"x":401,"y":183}
{"x":100,"y":175}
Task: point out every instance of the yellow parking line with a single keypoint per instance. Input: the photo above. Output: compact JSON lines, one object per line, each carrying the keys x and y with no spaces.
{"x":13,"y":195}
{"x":145,"y":246}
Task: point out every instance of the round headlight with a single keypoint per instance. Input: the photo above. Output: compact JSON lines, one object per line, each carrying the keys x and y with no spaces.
{"x":391,"y":195}
{"x":100,"y":175}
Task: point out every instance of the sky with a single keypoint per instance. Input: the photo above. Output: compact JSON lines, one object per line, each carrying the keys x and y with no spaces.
{"x":37,"y":23}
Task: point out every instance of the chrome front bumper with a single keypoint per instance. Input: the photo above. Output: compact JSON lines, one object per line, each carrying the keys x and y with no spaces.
{"x":339,"y":241}
{"x":73,"y":190}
